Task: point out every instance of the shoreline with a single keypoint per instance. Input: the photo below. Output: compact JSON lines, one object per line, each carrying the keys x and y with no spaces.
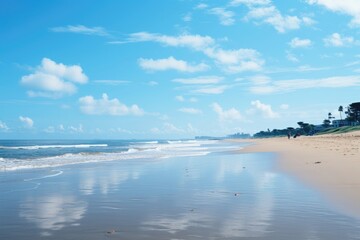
{"x":327,"y":163}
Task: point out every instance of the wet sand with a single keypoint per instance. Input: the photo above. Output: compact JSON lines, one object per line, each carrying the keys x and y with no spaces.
{"x":328,"y":163}
{"x":217,"y":196}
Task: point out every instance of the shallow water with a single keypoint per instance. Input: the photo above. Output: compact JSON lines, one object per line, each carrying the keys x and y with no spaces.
{"x":218,"y":196}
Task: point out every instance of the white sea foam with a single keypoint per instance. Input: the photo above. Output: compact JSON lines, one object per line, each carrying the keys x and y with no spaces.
{"x":132,"y":150}
{"x":58,"y":172}
{"x":174,"y":142}
{"x":139,"y":151}
{"x":35,"y":147}
{"x":151,"y":142}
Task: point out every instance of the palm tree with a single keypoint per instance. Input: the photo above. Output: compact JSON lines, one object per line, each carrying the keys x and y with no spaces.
{"x":330,"y":116}
{"x":341,"y":109}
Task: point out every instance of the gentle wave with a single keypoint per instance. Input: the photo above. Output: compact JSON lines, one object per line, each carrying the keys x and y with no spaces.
{"x":35,"y":147}
{"x":79,"y":158}
{"x":137,"y":151}
{"x":151,"y":142}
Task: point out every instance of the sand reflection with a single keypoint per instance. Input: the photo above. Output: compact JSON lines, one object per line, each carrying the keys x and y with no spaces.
{"x":53,"y":212}
{"x":93,"y":179}
{"x":176,"y":224}
{"x":253,"y":222}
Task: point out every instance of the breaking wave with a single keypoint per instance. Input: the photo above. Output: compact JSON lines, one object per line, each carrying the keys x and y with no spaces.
{"x":141,"y":150}
{"x":35,"y":147}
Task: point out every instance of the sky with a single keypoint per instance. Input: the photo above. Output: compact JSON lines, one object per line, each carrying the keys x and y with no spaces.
{"x":166,"y":69}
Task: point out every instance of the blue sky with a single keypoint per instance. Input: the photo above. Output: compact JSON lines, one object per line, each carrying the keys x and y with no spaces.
{"x":174,"y":68}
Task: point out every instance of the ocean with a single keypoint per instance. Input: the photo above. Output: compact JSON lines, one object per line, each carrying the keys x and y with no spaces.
{"x":27,"y":154}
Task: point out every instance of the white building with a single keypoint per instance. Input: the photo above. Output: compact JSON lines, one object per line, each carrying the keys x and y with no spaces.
{"x":341,"y":123}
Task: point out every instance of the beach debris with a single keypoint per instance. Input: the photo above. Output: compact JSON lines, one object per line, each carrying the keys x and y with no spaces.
{"x":110,"y":232}
{"x":317,"y":162}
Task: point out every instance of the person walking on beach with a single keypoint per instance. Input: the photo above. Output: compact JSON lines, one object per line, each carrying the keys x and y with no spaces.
{"x":289,"y":135}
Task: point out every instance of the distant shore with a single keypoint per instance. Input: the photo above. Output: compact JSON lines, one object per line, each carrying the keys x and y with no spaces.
{"x":328,"y":163}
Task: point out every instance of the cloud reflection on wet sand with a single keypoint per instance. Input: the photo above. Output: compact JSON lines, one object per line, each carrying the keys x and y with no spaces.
{"x":54,"y":212}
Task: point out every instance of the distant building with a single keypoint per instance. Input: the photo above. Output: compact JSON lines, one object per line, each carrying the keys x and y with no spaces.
{"x":342,"y":123}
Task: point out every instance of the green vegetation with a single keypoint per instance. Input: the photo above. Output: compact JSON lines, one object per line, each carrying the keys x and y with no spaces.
{"x":304,"y":129}
{"x":350,"y":123}
{"x":339,"y":130}
{"x":353,"y":112}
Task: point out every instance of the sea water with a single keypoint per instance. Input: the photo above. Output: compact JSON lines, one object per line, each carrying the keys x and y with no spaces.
{"x":30,"y":154}
{"x":158,"y":190}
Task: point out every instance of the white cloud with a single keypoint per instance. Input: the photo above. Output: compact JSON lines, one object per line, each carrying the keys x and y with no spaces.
{"x":183,"y":99}
{"x":196,"y":42}
{"x":121,"y":130}
{"x":78,"y":129}
{"x":226,"y":17}
{"x":272,"y":16}
{"x":199,"y":80}
{"x":349,"y":7}
{"x":171,"y":129}
{"x":260,"y":79}
{"x":298,"y":84}
{"x":180,"y":98}
{"x":171,"y":63}
{"x":336,"y":40}
{"x":284,"y":23}
{"x":284,"y":106}
{"x":28,"y":122}
{"x":111,"y":82}
{"x":308,"y":21}
{"x":265,"y":12}
{"x":65,"y":106}
{"x":201,"y":6}
{"x":50,"y":129}
{"x":187,"y":17}
{"x":153,"y":83}
{"x":231,"y":61}
{"x":264,"y":109}
{"x":291,"y":57}
{"x":226,"y":115}
{"x":300,"y":43}
{"x":155,"y":130}
{"x":235,"y":61}
{"x":106,"y":106}
{"x":59,"y":128}
{"x":192,"y":99}
{"x":191,"y":129}
{"x":99,"y":31}
{"x":307,"y":68}
{"x":190,"y":110}
{"x":52,"y":79}
{"x":211,"y":89}
{"x":249,"y":2}
{"x":3,"y":126}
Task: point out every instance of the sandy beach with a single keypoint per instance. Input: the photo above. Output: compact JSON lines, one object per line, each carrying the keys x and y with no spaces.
{"x":328,"y":163}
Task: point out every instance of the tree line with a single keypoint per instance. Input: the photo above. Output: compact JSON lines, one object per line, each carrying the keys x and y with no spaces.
{"x":352,"y":113}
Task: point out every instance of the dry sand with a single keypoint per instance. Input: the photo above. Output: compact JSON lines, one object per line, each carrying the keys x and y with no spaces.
{"x":329,"y":163}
